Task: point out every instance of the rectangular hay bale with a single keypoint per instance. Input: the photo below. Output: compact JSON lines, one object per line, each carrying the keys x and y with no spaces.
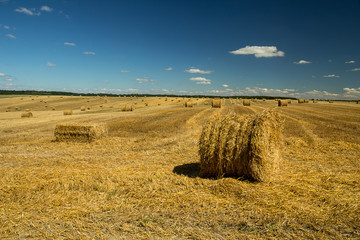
{"x":79,"y":132}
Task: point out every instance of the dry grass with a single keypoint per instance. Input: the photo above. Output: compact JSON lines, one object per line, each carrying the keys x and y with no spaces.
{"x":241,"y":146}
{"x":79,"y":132}
{"x":142,"y":181}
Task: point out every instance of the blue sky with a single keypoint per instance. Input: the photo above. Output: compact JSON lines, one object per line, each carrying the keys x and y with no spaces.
{"x":279,"y":48}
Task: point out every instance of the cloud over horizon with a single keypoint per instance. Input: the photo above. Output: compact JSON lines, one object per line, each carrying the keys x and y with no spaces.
{"x":70,"y":44}
{"x":196,"y":70}
{"x":89,"y":53}
{"x":331,"y":76}
{"x":30,"y":12}
{"x":259,"y":51}
{"x":200,"y":80}
{"x":49,"y":64}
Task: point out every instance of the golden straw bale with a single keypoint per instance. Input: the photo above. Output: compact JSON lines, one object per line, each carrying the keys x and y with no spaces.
{"x":241,"y":146}
{"x":331,"y":101}
{"x":216,"y":103}
{"x":68,"y":112}
{"x":83,"y":108}
{"x":26,"y":115}
{"x":53,"y":109}
{"x":146,"y":104}
{"x":128,"y":107}
{"x":289,"y":101}
{"x":82,"y":132}
{"x":301,"y":100}
{"x":306,"y":100}
{"x":188,"y":104}
{"x":246,"y":102}
{"x":282,"y":103}
{"x":315,"y":101}
{"x":358,"y":102}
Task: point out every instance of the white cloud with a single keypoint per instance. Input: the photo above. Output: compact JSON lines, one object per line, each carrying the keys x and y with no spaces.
{"x":27,"y":11}
{"x":355,"y":69}
{"x":10,"y":36}
{"x":46,"y":9}
{"x":124,"y":71}
{"x":200,"y":80}
{"x":320,"y":94}
{"x":6,"y":27}
{"x":145,"y":79}
{"x":350,"y":61}
{"x":169,"y":69}
{"x":70,"y":44}
{"x":352,"y":91}
{"x":8,"y":79}
{"x":195,"y":70}
{"x":89,"y":53}
{"x":302,"y":62}
{"x":49,"y":64}
{"x":225,"y":85}
{"x":259,"y":51}
{"x":331,"y":76}
{"x":2,"y":74}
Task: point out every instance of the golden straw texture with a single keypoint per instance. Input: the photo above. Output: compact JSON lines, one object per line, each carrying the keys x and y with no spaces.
{"x":81,"y":132}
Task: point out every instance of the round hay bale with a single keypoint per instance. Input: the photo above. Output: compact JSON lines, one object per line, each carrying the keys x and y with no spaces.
{"x":315,"y":101}
{"x":282,"y":103}
{"x":358,"y":102}
{"x":306,"y":100}
{"x":216,"y":103}
{"x":53,"y":109}
{"x":188,"y":104}
{"x":246,"y":102}
{"x":83,"y":108}
{"x":241,"y":146}
{"x":68,"y":112}
{"x":289,"y":101}
{"x":26,"y":115}
{"x":331,"y":101}
{"x":146,"y":104}
{"x":128,"y":107}
{"x":301,"y":100}
{"x":88,"y":108}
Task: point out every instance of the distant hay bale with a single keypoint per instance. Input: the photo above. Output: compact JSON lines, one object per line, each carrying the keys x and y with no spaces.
{"x":306,"y":100}
{"x":128,"y":107}
{"x":188,"y":104}
{"x":282,"y":103}
{"x":82,"y":132}
{"x":315,"y":101}
{"x":331,"y":101}
{"x":88,"y":108}
{"x":26,"y":115}
{"x":289,"y":101}
{"x":17,"y":109}
{"x":146,"y":104}
{"x":83,"y":108}
{"x":165,"y":99}
{"x":301,"y":100}
{"x":358,"y":102}
{"x":53,"y":109}
{"x":241,"y":146}
{"x":68,"y":112}
{"x":246,"y":102}
{"x":216,"y":103}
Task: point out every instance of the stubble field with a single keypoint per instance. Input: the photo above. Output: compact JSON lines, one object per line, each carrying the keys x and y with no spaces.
{"x":142,"y":181}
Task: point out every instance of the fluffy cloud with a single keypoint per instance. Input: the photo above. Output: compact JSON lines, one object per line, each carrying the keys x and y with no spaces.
{"x":331,"y":76}
{"x":124,"y":71}
{"x":49,"y":64}
{"x":355,"y":69}
{"x":8,"y":79}
{"x":225,"y":85}
{"x":142,"y":80}
{"x":352,"y":91}
{"x":6,"y":27}
{"x":89,"y":53}
{"x":259,"y":51}
{"x":2,"y":74}
{"x":169,"y":69}
{"x":196,"y":70}
{"x":30,"y":12}
{"x":10,"y":36}
{"x":200,"y":80}
{"x":69,"y":44}
{"x":350,"y":62}
{"x":302,"y":62}
{"x":46,"y":9}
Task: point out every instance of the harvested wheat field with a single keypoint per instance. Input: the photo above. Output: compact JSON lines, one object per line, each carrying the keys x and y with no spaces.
{"x":142,"y":180}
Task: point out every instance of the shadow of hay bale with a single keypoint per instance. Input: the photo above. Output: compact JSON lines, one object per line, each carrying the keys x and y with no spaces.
{"x":189,"y":169}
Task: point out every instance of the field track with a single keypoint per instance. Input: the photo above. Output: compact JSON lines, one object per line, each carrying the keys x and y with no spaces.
{"x":141,"y":182}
